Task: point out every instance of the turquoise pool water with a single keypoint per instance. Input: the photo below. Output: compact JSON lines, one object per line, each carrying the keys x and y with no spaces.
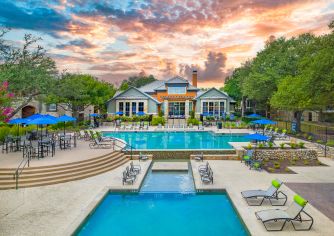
{"x":166,"y":205}
{"x":177,"y":140}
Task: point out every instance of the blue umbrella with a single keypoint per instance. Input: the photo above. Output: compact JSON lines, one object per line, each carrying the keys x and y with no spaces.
{"x":18,"y":122}
{"x":94,"y":115}
{"x":50,"y":117}
{"x":65,"y":118}
{"x":34,"y":116}
{"x":254,"y":116}
{"x":205,"y":114}
{"x":141,"y":113}
{"x":42,"y":121}
{"x":257,"y":137}
{"x":119,"y":113}
{"x":264,"y":122}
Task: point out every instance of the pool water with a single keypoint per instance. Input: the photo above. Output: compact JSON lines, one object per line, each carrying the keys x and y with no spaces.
{"x":166,"y":205}
{"x":177,"y":140}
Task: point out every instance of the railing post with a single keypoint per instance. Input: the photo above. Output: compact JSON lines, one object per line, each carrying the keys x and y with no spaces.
{"x":326,"y":141}
{"x":131,"y":152}
{"x":16,"y":180}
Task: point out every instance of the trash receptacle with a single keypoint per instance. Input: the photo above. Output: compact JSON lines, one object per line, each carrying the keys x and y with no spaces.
{"x":219,"y":125}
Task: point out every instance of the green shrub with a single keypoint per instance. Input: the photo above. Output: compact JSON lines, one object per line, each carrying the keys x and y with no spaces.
{"x":301,"y":144}
{"x":156,"y":120}
{"x":306,"y":162}
{"x":293,"y":145}
{"x":271,"y":170}
{"x":310,"y":138}
{"x":193,"y":121}
{"x":287,"y":169}
{"x":320,"y":141}
{"x":249,"y":146}
{"x":270,"y":144}
{"x":160,"y":113}
{"x":330,"y":143}
{"x":318,"y":162}
{"x":277,"y":165}
{"x":282,"y":145}
{"x":192,"y":114}
{"x":261,"y":145}
{"x":293,"y":162}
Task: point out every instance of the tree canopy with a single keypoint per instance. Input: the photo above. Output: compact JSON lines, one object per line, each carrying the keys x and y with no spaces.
{"x":77,"y":91}
{"x":28,"y":69}
{"x":137,"y":81}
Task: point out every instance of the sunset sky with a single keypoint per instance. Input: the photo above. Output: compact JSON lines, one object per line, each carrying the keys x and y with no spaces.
{"x":116,"y":39}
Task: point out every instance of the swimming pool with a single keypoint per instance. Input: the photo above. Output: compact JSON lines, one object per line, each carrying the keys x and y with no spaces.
{"x":177,"y":140}
{"x":167,"y":204}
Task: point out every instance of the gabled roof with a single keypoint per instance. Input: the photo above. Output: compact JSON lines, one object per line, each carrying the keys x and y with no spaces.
{"x":177,"y":80}
{"x":149,"y":88}
{"x":118,"y":93}
{"x":201,"y":93}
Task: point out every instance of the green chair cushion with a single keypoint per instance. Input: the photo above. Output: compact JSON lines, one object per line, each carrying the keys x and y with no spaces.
{"x":257,"y":165}
{"x":299,"y":200}
{"x":276,"y":184}
{"x":246,"y":157}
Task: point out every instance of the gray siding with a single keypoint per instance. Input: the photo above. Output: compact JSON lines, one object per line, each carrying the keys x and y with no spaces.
{"x":152,"y":106}
{"x":131,"y":93}
{"x":213,"y":94}
{"x":111,"y":106}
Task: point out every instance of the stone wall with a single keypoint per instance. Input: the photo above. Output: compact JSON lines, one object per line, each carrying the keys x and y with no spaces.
{"x":274,"y":154}
{"x":180,"y":154}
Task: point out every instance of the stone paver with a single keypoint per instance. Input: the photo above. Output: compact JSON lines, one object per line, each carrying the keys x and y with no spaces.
{"x":320,"y":195}
{"x":236,"y":177}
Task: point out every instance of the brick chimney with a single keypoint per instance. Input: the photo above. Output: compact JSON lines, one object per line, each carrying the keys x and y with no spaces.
{"x":194,"y":77}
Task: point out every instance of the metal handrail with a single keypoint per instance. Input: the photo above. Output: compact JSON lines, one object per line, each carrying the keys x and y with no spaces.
{"x":124,"y":148}
{"x":20,"y":168}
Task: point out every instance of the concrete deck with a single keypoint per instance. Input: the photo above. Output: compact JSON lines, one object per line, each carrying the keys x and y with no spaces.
{"x":57,"y":209}
{"x":79,"y":153}
{"x":170,"y":166}
{"x":236,"y":177}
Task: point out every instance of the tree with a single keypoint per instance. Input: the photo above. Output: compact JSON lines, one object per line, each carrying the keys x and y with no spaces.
{"x":5,"y":102}
{"x":29,"y":71}
{"x":137,"y":81}
{"x":78,"y":91}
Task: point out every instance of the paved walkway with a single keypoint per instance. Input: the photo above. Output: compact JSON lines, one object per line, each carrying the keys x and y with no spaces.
{"x":236,"y":177}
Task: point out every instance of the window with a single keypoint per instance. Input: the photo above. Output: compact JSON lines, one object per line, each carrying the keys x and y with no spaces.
{"x":211,"y":108}
{"x":52,"y":107}
{"x":205,"y":107}
{"x":127,"y":108}
{"x":216,"y":109}
{"x":121,"y":107}
{"x":190,"y":107}
{"x":134,"y":108}
{"x":176,"y":90}
{"x":222,"y":108}
{"x":176,"y":109}
{"x":141,"y":106}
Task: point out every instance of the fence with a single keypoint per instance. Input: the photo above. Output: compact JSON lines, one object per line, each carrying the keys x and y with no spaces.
{"x":316,"y":131}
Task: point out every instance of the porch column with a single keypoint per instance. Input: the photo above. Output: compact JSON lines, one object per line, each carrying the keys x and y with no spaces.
{"x":186,"y":110}
{"x":166,"y":108}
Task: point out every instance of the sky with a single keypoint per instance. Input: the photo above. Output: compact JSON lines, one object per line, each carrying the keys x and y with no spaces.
{"x":113,"y":40}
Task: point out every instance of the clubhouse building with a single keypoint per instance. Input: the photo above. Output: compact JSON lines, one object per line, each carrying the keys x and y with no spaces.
{"x":175,"y":97}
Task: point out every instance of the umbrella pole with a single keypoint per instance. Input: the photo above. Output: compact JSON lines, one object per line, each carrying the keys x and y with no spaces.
{"x":64,"y":128}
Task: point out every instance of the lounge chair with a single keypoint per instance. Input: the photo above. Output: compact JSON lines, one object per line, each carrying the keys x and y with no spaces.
{"x":204,"y":168}
{"x":135,"y":168}
{"x":142,"y":157}
{"x":200,"y":126}
{"x":128,"y":179}
{"x":272,"y":194}
{"x":130,"y":172}
{"x":145,"y":125}
{"x":293,"y":214}
{"x":207,"y":178}
{"x":199,"y":157}
{"x":98,"y":144}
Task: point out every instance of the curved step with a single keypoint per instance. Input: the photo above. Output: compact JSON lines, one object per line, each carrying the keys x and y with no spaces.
{"x":45,"y":175}
{"x":64,"y":170}
{"x":62,"y":180}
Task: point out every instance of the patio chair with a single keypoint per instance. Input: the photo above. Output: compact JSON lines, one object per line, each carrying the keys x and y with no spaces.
{"x":207,"y":178}
{"x":247,"y":158}
{"x":135,"y":168}
{"x":142,"y":157}
{"x":98,"y":144}
{"x":200,"y":126}
{"x":128,"y":179}
{"x":282,"y":136}
{"x":293,"y":214}
{"x":122,"y":126}
{"x":199,"y":157}
{"x":82,"y":134}
{"x":204,"y":168}
{"x":145,"y":125}
{"x":130,"y":173}
{"x":275,"y":197}
{"x":190,"y":126}
{"x":255,"y":164}
{"x":137,"y":125}
{"x":159,"y":126}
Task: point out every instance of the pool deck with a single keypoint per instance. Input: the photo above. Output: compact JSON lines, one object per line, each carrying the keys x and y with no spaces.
{"x":235,"y":177}
{"x":170,"y":166}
